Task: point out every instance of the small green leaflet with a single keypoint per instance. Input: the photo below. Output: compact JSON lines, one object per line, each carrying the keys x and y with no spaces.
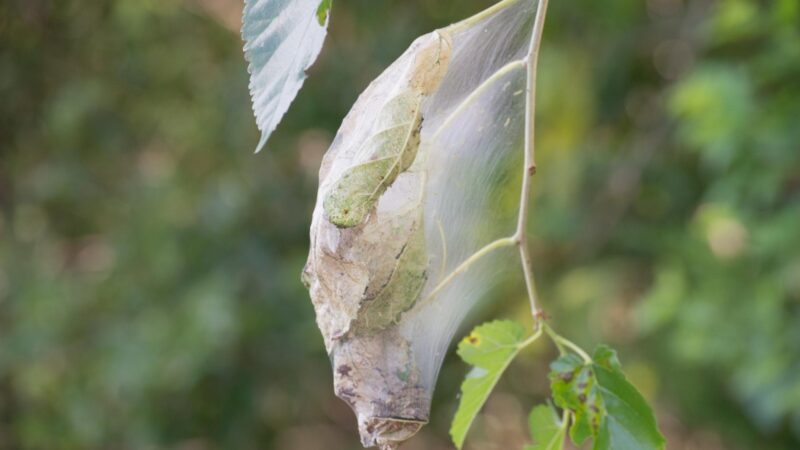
{"x":547,"y":429}
{"x":606,"y":406}
{"x":489,"y":348}
{"x":322,"y":11}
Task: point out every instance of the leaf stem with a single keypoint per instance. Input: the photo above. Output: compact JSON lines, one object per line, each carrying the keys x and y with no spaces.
{"x":562,"y":342}
{"x":562,"y":350}
{"x":529,"y":168}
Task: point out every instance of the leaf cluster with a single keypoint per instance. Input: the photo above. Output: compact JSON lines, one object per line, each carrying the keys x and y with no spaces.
{"x":597,"y":400}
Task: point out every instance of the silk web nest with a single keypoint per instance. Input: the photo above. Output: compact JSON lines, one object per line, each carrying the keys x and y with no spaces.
{"x":416,"y":181}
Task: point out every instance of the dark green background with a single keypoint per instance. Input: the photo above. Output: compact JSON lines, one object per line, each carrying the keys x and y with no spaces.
{"x":149,"y":261}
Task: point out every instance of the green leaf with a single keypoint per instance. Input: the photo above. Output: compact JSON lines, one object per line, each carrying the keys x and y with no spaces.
{"x":279,"y":53}
{"x":574,"y":388}
{"x":606,"y":406}
{"x":547,"y":429}
{"x":322,"y":11}
{"x":391,"y":149}
{"x":374,"y":160}
{"x":489,"y":348}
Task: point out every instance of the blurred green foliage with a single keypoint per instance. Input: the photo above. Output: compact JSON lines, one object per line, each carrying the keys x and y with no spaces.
{"x":149,"y":262}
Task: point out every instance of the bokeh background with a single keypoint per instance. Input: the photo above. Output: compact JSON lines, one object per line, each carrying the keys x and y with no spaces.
{"x":149,"y":261}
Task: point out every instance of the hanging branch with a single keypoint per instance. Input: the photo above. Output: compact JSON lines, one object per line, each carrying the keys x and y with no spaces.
{"x":530,"y":63}
{"x":491,"y":347}
{"x":529,"y":168}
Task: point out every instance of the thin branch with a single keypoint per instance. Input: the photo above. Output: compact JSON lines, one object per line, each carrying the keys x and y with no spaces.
{"x":519,"y":238}
{"x":499,"y":74}
{"x":475,"y":257}
{"x":468,"y":22}
{"x":529,"y":168}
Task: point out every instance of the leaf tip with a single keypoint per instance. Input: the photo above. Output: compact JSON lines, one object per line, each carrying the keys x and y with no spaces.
{"x":457,"y":436}
{"x":262,"y":142}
